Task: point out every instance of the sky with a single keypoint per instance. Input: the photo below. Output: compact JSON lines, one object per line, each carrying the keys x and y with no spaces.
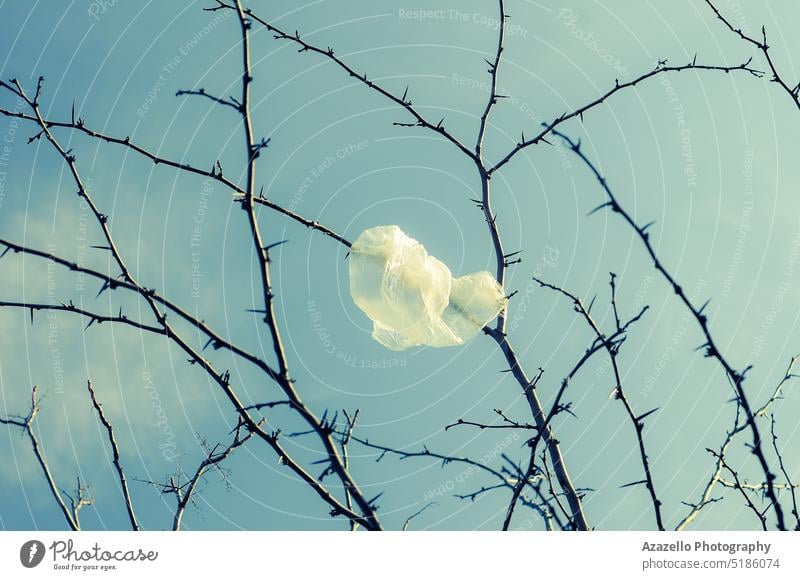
{"x":710,"y":156}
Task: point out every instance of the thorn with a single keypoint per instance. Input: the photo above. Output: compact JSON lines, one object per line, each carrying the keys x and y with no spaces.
{"x":647,"y":225}
{"x":633,"y":483}
{"x":275,"y":245}
{"x":103,"y":288}
{"x":643,"y":415}
{"x":598,"y":208}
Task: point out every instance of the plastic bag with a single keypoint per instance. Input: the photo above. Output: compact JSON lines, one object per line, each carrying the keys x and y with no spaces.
{"x":412,"y":298}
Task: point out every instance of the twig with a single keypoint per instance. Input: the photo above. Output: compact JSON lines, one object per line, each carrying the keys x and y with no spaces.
{"x":214,"y":173}
{"x":201,"y":92}
{"x":716,"y":475}
{"x":793,"y":92}
{"x":493,"y":69}
{"x":735,"y":377}
{"x":185,"y":492}
{"x":262,"y":251}
{"x":612,"y":348}
{"x":123,"y":482}
{"x":26,"y":424}
{"x":222,"y":379}
{"x":92,"y":316}
{"x":789,"y":483}
{"x":418,"y":513}
{"x":344,"y":442}
{"x":214,"y":339}
{"x":329,"y":53}
{"x":737,"y":484}
{"x":580,"y":111}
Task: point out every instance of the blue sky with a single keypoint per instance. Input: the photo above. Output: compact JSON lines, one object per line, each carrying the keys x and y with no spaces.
{"x":710,"y":156}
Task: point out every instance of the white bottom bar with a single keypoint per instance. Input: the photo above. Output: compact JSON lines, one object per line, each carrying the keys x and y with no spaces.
{"x":397,"y":554}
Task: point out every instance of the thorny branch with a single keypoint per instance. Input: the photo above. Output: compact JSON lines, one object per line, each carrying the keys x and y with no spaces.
{"x":214,"y":173}
{"x":79,"y":500}
{"x":735,"y":377}
{"x":186,"y":491}
{"x":612,"y":347}
{"x":737,"y":485}
{"x":763,"y":47}
{"x":716,"y":475}
{"x":222,"y":379}
{"x":339,"y":463}
{"x":284,"y":380}
{"x":789,"y":483}
{"x":123,"y":482}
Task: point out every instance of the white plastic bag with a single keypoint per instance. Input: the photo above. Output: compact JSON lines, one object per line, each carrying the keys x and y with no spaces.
{"x":412,"y":298}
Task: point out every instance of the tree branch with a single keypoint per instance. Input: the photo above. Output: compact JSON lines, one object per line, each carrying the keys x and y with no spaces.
{"x":329,"y":53}
{"x":761,"y":45}
{"x":123,"y":482}
{"x":660,"y":68}
{"x":26,"y":424}
{"x":612,"y":348}
{"x":735,"y":377}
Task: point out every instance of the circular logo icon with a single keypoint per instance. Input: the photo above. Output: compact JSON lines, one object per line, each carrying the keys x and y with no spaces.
{"x":31,"y":553}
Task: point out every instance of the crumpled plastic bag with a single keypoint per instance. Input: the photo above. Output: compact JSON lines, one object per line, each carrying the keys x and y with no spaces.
{"x":412,"y":298}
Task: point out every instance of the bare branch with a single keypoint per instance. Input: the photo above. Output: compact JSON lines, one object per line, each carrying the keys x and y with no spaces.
{"x":761,"y":45}
{"x":737,"y":485}
{"x":716,"y":475}
{"x":213,"y":460}
{"x":214,"y":173}
{"x":612,"y":348}
{"x":329,"y":53}
{"x":735,"y":377}
{"x":123,"y":482}
{"x":214,"y":339}
{"x":222,"y":379}
{"x":201,"y":92}
{"x":493,"y":69}
{"x":92,"y":316}
{"x":660,"y":68}
{"x":419,"y":512}
{"x":70,"y":513}
{"x":789,"y":483}
{"x":262,"y":251}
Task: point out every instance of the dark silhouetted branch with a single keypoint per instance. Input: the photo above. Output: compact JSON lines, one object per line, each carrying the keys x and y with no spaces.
{"x":792,"y":487}
{"x":201,"y":92}
{"x":735,"y":377}
{"x":123,"y":482}
{"x":660,"y":68}
{"x":612,"y":348}
{"x":404,"y":101}
{"x":792,"y":90}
